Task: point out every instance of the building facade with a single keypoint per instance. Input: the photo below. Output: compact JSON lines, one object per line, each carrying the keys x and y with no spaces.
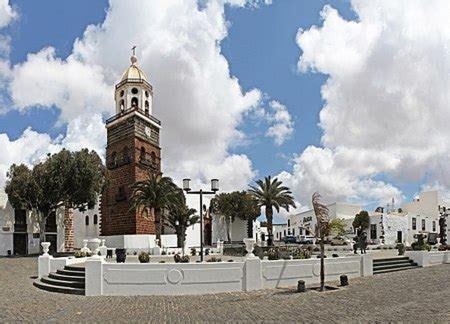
{"x":387,"y":225}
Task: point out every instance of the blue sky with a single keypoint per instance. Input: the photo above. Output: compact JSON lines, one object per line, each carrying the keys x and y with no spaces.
{"x":262,"y":53}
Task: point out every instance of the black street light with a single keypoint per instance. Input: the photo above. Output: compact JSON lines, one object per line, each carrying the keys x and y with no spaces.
{"x":214,"y":189}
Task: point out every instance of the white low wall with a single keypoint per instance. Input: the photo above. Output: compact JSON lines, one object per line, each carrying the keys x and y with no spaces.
{"x":47,"y":264}
{"x":427,"y":259}
{"x":282,"y":273}
{"x":201,"y":278}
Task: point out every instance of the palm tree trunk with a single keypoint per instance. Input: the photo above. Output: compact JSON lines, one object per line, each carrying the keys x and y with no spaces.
{"x":322,"y":264}
{"x":179,"y":238}
{"x":269,"y":217}
{"x":228,"y":224}
{"x":158,"y":225}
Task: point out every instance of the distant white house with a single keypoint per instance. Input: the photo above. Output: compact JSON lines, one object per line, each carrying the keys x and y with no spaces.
{"x":387,"y":226}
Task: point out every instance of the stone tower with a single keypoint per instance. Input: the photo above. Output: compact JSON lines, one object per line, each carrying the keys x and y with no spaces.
{"x":132,"y":151}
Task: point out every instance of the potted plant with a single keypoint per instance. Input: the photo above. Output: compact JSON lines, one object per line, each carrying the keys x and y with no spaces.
{"x":401,"y":248}
{"x":177,"y":258}
{"x":144,"y":257}
{"x":185,"y":259}
{"x":121,"y":255}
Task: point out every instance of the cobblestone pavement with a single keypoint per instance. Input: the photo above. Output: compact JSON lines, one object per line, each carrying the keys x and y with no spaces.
{"x":417,"y":295}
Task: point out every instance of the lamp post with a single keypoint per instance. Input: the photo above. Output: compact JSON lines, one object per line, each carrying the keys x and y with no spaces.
{"x":214,"y":189}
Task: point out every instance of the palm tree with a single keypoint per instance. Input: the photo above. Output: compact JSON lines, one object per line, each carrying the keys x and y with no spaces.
{"x":153,"y":196}
{"x":322,"y":230}
{"x":180,"y":217}
{"x":228,"y":206}
{"x":270,"y":193}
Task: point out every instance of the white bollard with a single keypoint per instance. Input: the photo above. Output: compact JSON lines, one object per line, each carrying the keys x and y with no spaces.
{"x":94,"y":276}
{"x":44,"y":261}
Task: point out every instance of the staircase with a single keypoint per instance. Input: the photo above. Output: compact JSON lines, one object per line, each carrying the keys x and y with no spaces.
{"x":71,"y":280}
{"x":393,"y":264}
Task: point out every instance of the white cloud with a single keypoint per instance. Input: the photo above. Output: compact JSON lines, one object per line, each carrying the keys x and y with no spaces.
{"x":178,"y":45}
{"x":30,"y":148}
{"x":386,"y":98}
{"x":7,"y":13}
{"x":282,"y":125}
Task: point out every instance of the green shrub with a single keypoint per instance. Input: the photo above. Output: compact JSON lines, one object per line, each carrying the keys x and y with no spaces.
{"x":177,"y":258}
{"x":401,"y":248}
{"x":231,"y":260}
{"x":162,"y":261}
{"x":163,"y":252}
{"x":214,"y":259}
{"x":144,"y":257}
{"x":272,"y":254}
{"x":301,"y":253}
{"x":335,"y":255}
{"x":442,"y":247}
{"x":79,"y":254}
{"x":193,"y":252}
{"x":185,"y":259}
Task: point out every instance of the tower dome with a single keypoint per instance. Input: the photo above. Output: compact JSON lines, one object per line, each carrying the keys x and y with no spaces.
{"x":134,"y":91}
{"x":133,"y":72}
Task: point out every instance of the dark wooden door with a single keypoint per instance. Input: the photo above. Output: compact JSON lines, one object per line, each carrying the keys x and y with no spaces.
{"x":399,"y":236}
{"x":52,"y":238}
{"x":20,"y":243}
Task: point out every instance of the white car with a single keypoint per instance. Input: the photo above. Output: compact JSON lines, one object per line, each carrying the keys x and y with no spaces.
{"x":306,"y":239}
{"x":340,"y":240}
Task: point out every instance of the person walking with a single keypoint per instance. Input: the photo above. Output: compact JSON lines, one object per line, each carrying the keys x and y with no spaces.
{"x":363,"y":242}
{"x":355,"y":244}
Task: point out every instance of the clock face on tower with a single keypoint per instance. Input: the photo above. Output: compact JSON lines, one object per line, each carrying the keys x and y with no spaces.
{"x":148,"y":131}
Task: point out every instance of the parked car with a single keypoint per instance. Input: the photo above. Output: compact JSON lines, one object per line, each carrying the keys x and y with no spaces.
{"x":306,"y":239}
{"x":289,"y":239}
{"x":340,"y":240}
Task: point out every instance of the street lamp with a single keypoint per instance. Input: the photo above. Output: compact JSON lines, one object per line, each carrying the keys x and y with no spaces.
{"x":214,"y":189}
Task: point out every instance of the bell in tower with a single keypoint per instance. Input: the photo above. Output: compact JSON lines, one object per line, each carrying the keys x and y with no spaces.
{"x":132,"y":152}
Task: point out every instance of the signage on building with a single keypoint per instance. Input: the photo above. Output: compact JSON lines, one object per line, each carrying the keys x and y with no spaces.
{"x":307,"y":219}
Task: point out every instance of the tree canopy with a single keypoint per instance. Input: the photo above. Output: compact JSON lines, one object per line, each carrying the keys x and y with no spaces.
{"x":236,"y":204}
{"x":337,"y":226}
{"x":179,"y":217}
{"x":271,"y":194}
{"x":153,"y":196}
{"x":362,"y":220}
{"x":70,"y":179}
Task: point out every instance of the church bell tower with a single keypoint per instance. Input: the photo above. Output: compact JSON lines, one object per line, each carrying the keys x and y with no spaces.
{"x":132,"y":152}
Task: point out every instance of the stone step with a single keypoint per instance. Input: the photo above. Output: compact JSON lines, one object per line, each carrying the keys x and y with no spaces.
{"x":59,"y":276}
{"x":389,"y":259}
{"x":394,"y":261}
{"x":71,"y":273}
{"x":75,"y":268}
{"x":394,"y":266}
{"x":59,"y":289}
{"x":395,"y":269}
{"x":63,"y":283}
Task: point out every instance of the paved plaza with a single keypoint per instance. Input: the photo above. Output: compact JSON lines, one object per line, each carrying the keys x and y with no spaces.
{"x":408,"y":296}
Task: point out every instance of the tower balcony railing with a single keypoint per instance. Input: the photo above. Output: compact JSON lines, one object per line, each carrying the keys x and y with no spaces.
{"x":129,"y":111}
